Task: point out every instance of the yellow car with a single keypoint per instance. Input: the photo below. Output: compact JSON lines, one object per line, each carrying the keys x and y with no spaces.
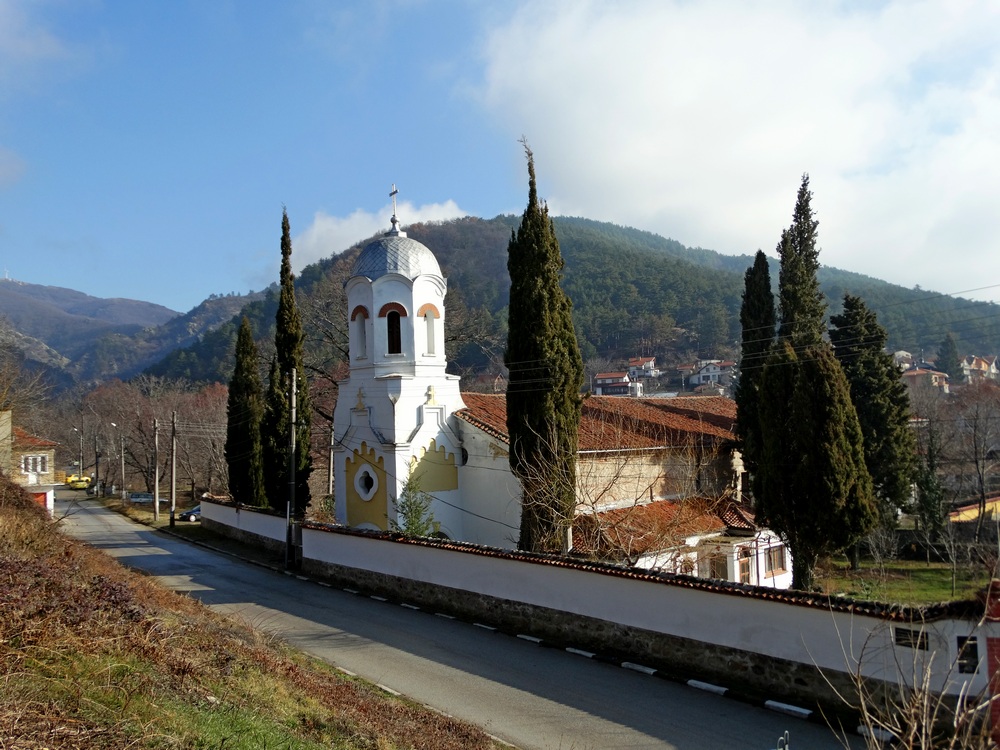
{"x":79,"y":484}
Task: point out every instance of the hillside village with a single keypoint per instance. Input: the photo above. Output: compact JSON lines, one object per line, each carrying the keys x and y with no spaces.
{"x":661,"y":493}
{"x":661,"y":485}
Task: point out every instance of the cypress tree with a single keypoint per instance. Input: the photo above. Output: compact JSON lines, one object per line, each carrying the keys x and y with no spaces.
{"x":949,"y":361}
{"x":757,"y":319}
{"x":245,"y":411}
{"x":274,"y":433}
{"x":812,"y":484}
{"x":546,"y":374}
{"x":288,"y":340}
{"x":801,"y":301}
{"x":882,"y":403}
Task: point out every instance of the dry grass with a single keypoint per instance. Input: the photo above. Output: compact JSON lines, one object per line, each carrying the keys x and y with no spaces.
{"x":95,"y":656}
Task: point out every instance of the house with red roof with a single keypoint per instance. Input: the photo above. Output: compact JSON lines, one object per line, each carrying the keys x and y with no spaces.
{"x":925,"y":380}
{"x":29,"y":460}
{"x":616,"y":384}
{"x":658,"y":480}
{"x":643,"y":367}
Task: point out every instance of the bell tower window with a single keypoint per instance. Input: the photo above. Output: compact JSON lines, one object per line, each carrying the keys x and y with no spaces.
{"x":393,"y":312}
{"x":359,"y":319}
{"x":430,"y":314}
{"x":394,"y":333}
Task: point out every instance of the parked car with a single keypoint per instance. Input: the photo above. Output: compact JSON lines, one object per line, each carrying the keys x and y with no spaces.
{"x":192,"y":514}
{"x":78,"y":484}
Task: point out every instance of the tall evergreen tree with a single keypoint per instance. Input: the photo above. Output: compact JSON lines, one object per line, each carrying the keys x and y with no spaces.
{"x":949,"y":361}
{"x":546,"y":375}
{"x":246,"y":409}
{"x":288,"y":338}
{"x":801,"y":301}
{"x":811,"y":485}
{"x":930,"y":502}
{"x":757,"y":319}
{"x":274,"y":434}
{"x":882,"y":404}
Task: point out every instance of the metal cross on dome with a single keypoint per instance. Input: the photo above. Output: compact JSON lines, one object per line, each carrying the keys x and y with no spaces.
{"x":393,"y":195}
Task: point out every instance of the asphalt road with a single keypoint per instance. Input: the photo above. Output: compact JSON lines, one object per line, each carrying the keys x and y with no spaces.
{"x":530,"y":696}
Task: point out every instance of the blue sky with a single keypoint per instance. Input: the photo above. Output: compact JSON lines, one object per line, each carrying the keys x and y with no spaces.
{"x":147,"y":148}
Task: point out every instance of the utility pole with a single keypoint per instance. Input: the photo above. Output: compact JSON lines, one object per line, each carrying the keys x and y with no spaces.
{"x":121,"y":436}
{"x":124,"y":491}
{"x":173,"y":466}
{"x":97,"y":468}
{"x":289,"y":536}
{"x":156,"y":470}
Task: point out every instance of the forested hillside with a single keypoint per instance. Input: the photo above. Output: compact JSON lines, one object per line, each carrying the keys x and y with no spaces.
{"x":633,"y":292}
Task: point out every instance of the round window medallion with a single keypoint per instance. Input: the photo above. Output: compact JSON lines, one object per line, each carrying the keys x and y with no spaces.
{"x":366,"y":483}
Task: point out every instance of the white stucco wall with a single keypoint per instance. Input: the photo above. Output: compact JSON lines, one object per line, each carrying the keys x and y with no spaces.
{"x":491,"y":496}
{"x":812,"y":636}
{"x":246,"y":520}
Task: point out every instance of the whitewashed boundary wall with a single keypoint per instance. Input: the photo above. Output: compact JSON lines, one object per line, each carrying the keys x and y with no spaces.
{"x":251,"y":525}
{"x":790,"y":645}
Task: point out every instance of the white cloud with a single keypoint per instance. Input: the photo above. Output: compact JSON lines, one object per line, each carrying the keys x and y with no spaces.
{"x":696,"y":120}
{"x":24,"y":41}
{"x":331,"y":235}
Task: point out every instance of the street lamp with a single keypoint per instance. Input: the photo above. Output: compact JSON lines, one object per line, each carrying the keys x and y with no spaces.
{"x":121,"y":435}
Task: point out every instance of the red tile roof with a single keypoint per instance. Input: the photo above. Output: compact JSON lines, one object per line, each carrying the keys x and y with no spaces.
{"x":26,"y":441}
{"x":640,"y":529}
{"x":609,"y":422}
{"x":738,"y":516}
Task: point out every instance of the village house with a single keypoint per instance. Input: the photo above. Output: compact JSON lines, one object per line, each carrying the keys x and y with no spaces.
{"x":400,"y":415}
{"x":642,"y":367}
{"x":616,"y":384}
{"x":976,"y":369}
{"x":712,"y":371}
{"x":923,"y":380}
{"x":28,"y":460}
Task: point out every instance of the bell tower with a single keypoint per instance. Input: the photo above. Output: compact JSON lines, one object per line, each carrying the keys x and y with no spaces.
{"x":392,"y":413}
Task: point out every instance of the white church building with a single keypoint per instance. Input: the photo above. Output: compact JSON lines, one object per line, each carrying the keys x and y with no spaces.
{"x":400,"y":413}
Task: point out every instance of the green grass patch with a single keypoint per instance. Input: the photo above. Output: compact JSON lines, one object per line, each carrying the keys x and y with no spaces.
{"x":902,"y":581}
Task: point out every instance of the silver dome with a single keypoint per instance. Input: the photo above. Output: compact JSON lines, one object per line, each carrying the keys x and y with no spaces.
{"x":395,"y":253}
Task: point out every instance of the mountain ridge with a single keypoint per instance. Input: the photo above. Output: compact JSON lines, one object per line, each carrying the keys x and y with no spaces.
{"x":633,"y":292}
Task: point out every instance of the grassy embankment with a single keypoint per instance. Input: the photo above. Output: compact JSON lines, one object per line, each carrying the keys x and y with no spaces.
{"x":96,"y":656}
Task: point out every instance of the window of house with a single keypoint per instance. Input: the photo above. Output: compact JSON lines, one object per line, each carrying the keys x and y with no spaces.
{"x":394,"y":332}
{"x":909,"y":638}
{"x":744,"y":570}
{"x":774,"y":561}
{"x":968,"y":654}
{"x":35,"y":464}
{"x":717,"y":568}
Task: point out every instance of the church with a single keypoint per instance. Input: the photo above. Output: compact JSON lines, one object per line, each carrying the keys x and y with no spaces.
{"x":659,"y":481}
